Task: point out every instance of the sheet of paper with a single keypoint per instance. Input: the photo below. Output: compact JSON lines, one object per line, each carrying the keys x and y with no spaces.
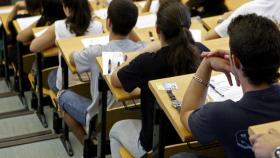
{"x":146,"y":21}
{"x":95,"y":41}
{"x":25,"y":22}
{"x":154,"y":6}
{"x":37,"y":34}
{"x":167,"y":86}
{"x":110,"y":61}
{"x":6,"y":11}
{"x":221,"y":84}
{"x":196,"y":34}
{"x":101,"y":13}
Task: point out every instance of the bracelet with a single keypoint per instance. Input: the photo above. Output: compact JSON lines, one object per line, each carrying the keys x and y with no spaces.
{"x":200,"y":81}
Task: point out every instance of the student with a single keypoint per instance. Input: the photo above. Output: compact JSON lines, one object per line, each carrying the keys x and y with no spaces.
{"x":266,"y":8}
{"x":179,"y":55}
{"x":78,"y":22}
{"x":206,"y":8}
{"x":122,"y":17}
{"x":33,"y":8}
{"x":52,"y":10}
{"x":266,"y":145}
{"x":148,"y":5}
{"x":254,"y":60}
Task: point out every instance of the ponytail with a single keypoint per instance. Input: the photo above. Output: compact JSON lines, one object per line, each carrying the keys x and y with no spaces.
{"x":183,"y":55}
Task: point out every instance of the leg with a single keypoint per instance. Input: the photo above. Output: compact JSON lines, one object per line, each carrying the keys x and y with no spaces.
{"x":126,"y":133}
{"x":75,"y":105}
{"x":52,"y":80}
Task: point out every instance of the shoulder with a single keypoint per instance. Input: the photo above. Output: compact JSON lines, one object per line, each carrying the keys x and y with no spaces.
{"x":59,"y":23}
{"x":95,"y":27}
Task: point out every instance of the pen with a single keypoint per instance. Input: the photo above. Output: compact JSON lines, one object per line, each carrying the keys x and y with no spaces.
{"x":125,"y":58}
{"x":214,"y":88}
{"x":118,"y":64}
{"x":109,"y":66}
{"x":151,"y":36}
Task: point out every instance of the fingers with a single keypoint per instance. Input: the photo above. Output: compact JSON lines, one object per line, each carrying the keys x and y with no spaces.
{"x":229,"y":78}
{"x":216,"y":53}
{"x":253,"y":139}
{"x":273,"y":131}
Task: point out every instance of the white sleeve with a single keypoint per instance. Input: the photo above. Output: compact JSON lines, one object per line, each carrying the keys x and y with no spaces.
{"x":83,"y":59}
{"x":222,"y":28}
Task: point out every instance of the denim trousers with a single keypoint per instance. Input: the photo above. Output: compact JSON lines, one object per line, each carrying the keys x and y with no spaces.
{"x":75,"y":105}
{"x":52,"y":80}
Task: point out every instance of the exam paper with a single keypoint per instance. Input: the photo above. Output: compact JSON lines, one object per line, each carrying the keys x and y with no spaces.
{"x":146,"y":21}
{"x":221,"y":84}
{"x":6,"y":11}
{"x":110,"y":61}
{"x":196,"y":34}
{"x":26,"y":22}
{"x":101,"y":13}
{"x":95,"y":41}
{"x":37,"y":34}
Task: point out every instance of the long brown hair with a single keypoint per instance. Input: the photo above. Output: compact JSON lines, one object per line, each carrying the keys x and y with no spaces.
{"x":173,"y":20}
{"x":80,"y":16}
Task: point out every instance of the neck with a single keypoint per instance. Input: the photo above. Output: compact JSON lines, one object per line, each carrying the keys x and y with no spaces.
{"x":247,"y":86}
{"x":113,"y":36}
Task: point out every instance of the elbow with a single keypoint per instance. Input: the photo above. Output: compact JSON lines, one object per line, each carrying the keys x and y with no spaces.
{"x":20,"y":38}
{"x":33,"y":48}
{"x":115,"y":80}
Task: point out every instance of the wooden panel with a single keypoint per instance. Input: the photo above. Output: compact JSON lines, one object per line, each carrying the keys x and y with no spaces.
{"x":264,"y":128}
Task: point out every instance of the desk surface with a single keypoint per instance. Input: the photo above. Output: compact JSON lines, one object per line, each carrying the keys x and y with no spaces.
{"x":234,"y":4}
{"x":263,"y":128}
{"x":4,"y":17}
{"x":165,"y":103}
{"x":211,"y":22}
{"x":220,"y":43}
{"x":196,"y":24}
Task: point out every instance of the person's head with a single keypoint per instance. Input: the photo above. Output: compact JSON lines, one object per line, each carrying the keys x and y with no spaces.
{"x":161,"y":2}
{"x":255,"y":48}
{"x":33,"y":6}
{"x":173,"y":23}
{"x":122,"y":16}
{"x":78,"y":14}
{"x":205,"y":8}
{"x":52,"y":10}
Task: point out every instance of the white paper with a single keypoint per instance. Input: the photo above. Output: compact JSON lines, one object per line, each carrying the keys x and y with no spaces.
{"x":146,"y":21}
{"x":221,"y":85}
{"x":196,"y":34}
{"x":6,"y":11}
{"x":37,"y":34}
{"x":101,"y":13}
{"x":26,"y":22}
{"x":154,"y":6}
{"x":95,"y":41}
{"x":110,"y":61}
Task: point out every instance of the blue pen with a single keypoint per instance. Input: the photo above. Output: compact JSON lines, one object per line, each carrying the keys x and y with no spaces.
{"x":214,"y":88}
{"x":109,"y":66}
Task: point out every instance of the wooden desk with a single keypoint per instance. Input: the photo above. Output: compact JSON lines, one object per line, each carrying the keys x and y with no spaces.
{"x":263,"y":128}
{"x":196,"y":24}
{"x":211,"y":22}
{"x":4,"y":17}
{"x":234,"y":4}
{"x":220,"y":43}
{"x":165,"y":102}
{"x":147,"y":34}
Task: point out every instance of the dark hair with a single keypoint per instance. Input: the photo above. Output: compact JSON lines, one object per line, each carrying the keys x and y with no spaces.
{"x":123,"y":14}
{"x":33,"y":6}
{"x":173,"y":20}
{"x":206,"y":8}
{"x":80,"y":16}
{"x":255,"y":41}
{"x":161,"y":2}
{"x":52,"y":10}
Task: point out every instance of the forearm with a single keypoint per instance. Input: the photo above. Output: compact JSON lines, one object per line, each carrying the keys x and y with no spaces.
{"x":147,"y":6}
{"x":12,"y":15}
{"x":133,"y":36}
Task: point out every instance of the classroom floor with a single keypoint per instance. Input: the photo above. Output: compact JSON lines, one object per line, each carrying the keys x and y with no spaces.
{"x":16,"y":126}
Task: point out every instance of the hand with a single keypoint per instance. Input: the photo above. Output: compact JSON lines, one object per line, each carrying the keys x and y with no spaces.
{"x":264,"y":144}
{"x":71,"y":59}
{"x":20,"y":5}
{"x":217,"y":53}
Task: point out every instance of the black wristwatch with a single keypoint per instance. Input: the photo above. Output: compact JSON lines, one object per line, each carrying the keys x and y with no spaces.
{"x":276,"y":152}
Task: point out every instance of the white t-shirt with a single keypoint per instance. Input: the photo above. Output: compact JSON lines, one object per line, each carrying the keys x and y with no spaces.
{"x":62,"y":32}
{"x":266,"y":8}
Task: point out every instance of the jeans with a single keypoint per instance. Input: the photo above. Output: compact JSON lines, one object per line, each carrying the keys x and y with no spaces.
{"x":52,"y":80}
{"x":126,"y":133}
{"x":75,"y":105}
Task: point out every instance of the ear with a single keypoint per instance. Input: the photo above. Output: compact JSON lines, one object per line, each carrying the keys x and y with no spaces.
{"x":157,"y":30}
{"x":108,"y":24}
{"x":236,"y":61}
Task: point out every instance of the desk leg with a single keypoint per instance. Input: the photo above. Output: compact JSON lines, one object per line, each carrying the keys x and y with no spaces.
{"x":40,"y":108}
{"x":103,"y":89}
{"x":159,"y":132}
{"x":20,"y":73}
{"x":65,"y":137}
{"x":5,"y":56}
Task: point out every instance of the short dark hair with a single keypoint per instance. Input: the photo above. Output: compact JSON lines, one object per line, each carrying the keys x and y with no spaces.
{"x":33,"y":6}
{"x":123,"y":15}
{"x":255,"y":41}
{"x":80,"y":16}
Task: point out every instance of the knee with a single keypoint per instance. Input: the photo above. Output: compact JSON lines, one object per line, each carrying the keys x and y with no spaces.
{"x":117,"y":128}
{"x":63,"y":97}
